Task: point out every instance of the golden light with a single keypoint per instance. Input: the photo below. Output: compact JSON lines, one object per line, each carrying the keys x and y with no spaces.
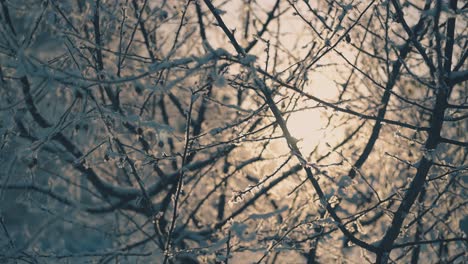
{"x":310,"y":124}
{"x":306,"y":125}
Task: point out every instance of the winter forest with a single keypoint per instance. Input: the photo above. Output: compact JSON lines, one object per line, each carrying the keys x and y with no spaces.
{"x":233,"y":131}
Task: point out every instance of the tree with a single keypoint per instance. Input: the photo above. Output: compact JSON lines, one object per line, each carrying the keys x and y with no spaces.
{"x":247,"y":131}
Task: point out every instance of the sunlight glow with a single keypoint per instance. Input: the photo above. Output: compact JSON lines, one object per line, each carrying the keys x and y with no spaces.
{"x":306,"y":126}
{"x":309,"y":125}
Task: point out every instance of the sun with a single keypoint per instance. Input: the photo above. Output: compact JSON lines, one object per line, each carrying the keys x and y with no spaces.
{"x":310,"y":124}
{"x":307,"y":126}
